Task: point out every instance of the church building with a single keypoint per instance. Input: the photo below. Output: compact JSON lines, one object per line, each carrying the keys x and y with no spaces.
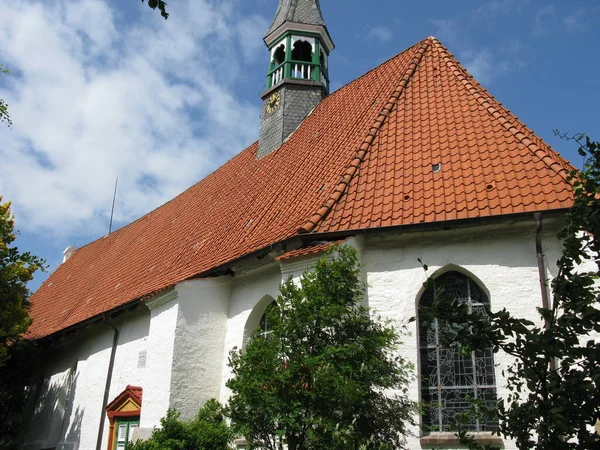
{"x":413,"y":160}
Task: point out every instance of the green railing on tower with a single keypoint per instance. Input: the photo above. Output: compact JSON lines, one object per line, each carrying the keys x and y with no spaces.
{"x":297,"y":70}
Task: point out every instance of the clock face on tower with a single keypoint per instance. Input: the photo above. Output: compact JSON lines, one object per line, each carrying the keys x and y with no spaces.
{"x":273,"y":102}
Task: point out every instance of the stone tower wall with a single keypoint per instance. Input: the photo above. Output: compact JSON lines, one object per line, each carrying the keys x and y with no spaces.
{"x":296,"y":103}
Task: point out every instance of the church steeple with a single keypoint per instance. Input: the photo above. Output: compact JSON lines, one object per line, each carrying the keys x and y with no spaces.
{"x":297,"y":79}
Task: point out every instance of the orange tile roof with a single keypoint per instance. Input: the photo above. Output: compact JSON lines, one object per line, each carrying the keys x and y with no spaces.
{"x":362,"y":159}
{"x":311,"y":249}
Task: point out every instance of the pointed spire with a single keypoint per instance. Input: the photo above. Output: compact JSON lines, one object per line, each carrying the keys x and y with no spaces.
{"x":298,"y":77}
{"x":297,"y":11}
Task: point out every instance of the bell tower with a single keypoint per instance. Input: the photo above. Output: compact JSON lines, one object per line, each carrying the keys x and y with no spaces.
{"x":297,"y":79}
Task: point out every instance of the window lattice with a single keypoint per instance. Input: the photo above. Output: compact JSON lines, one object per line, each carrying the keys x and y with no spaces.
{"x":449,"y":379}
{"x":265,"y":327}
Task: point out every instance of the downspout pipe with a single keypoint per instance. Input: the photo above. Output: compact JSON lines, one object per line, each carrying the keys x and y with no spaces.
{"x":111,"y":366}
{"x":542,"y":272}
{"x":540,"y":261}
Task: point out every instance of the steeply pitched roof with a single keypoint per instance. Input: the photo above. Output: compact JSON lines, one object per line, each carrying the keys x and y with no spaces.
{"x":489,"y":162}
{"x":364,"y":158}
{"x":297,"y":11}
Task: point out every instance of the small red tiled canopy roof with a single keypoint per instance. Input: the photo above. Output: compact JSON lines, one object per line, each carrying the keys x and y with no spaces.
{"x":310,"y":250}
{"x":131,"y":392}
{"x":416,"y":140}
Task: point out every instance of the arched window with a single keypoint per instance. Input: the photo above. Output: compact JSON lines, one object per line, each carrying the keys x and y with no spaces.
{"x":278,"y":55}
{"x":265,"y":328}
{"x":449,"y":378}
{"x":302,"y":51}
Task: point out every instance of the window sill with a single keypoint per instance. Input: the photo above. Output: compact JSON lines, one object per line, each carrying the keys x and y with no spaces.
{"x":448,"y":438}
{"x":240,"y":444}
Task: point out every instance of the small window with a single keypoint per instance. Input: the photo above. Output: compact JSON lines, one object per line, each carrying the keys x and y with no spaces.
{"x":124,"y":428}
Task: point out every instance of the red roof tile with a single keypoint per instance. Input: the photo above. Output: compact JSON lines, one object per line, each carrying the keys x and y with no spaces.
{"x":312,"y":249}
{"x":362,"y":159}
{"x":491,"y":164}
{"x":134,"y":393}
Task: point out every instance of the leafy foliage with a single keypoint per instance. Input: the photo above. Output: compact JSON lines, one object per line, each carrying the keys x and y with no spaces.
{"x":327,"y":376}
{"x":4,"y":117}
{"x":161,"y":5}
{"x":17,"y":356}
{"x":208,"y":431}
{"x":553,"y":386}
{"x":17,"y":378}
{"x":16,"y":269}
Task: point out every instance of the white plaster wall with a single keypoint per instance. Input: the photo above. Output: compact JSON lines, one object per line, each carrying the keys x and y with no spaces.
{"x":133,"y":339}
{"x":69,"y":405}
{"x":248,"y":289}
{"x":189,"y":331}
{"x":199,"y":343}
{"x":92,"y":368}
{"x":48,"y":417}
{"x":503,"y":260}
{"x":156,"y":383}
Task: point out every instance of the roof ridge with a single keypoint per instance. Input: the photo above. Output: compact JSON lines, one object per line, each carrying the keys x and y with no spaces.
{"x":504,"y":116}
{"x":310,"y":224}
{"x":364,"y":75}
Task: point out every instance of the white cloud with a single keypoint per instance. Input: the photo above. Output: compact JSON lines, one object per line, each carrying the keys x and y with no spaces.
{"x":577,"y":20}
{"x":487,"y":65}
{"x":447,"y":30}
{"x":92,"y":99}
{"x":544,"y":20}
{"x":488,"y":11}
{"x":380,"y":33}
{"x":251,"y":31}
{"x":480,"y":64}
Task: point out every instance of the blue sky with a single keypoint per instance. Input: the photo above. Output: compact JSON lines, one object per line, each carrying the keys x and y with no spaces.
{"x":107,"y":88}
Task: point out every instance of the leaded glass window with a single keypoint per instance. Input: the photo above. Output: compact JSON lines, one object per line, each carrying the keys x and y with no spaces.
{"x":449,"y":378}
{"x":265,"y":327}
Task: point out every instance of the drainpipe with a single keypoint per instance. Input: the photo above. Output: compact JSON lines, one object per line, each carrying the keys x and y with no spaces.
{"x":540,"y":260}
{"x":542,"y":271}
{"x":111,"y":366}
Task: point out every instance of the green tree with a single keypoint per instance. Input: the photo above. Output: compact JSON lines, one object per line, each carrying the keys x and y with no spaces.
{"x":553,"y":399}
{"x":16,"y":269}
{"x":161,"y":5}
{"x":327,"y":375}
{"x":4,"y":117}
{"x":17,"y":356}
{"x":18,"y":378}
{"x":208,"y":431}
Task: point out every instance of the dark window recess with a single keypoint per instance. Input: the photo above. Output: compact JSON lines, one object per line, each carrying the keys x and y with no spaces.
{"x":450,"y":379}
{"x":279,"y":55}
{"x":302,"y":51}
{"x":436,"y":167}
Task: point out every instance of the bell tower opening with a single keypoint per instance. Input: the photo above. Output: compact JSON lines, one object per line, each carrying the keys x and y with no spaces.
{"x":302,"y":51}
{"x":297,"y":79}
{"x":279,"y":55}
